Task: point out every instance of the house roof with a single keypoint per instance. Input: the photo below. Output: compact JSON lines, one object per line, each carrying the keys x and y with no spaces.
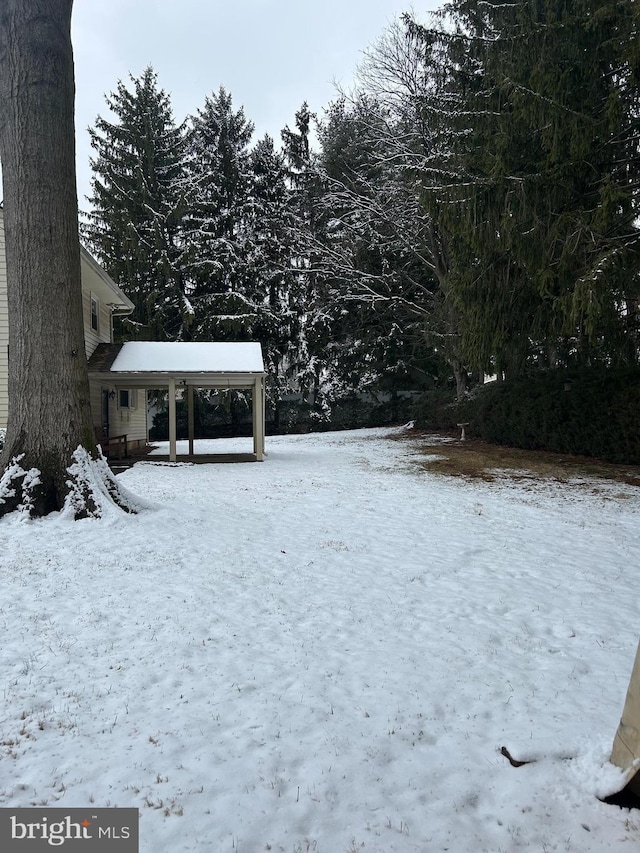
{"x":98,"y":281}
{"x":198,"y":363}
{"x":204,"y":357}
{"x":103,"y":357}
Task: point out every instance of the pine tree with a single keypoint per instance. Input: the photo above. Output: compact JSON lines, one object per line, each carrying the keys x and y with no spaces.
{"x":140,"y":195}
{"x":275,"y":284}
{"x":315,"y":376}
{"x":540,"y":198}
{"x":218,"y":230}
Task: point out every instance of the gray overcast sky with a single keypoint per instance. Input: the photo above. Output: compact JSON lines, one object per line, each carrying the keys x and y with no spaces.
{"x":271,"y":55}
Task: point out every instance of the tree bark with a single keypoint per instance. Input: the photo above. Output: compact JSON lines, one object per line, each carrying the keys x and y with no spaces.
{"x":461,"y":376}
{"x":49,"y":402}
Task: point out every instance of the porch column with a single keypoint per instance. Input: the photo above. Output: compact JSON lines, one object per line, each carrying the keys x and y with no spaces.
{"x":190,"y":416}
{"x":258,"y":419}
{"x":263,"y":426}
{"x":172,"y":419}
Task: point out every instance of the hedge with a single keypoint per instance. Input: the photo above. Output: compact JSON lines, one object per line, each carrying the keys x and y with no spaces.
{"x":590,"y":413}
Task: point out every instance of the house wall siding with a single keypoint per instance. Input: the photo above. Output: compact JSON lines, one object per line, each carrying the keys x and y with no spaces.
{"x":132,"y":423}
{"x":91,"y":337}
{"x":129,"y":422}
{"x":95,"y":391}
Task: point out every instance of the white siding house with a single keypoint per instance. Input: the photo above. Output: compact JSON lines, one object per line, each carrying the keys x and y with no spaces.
{"x":115,"y":412}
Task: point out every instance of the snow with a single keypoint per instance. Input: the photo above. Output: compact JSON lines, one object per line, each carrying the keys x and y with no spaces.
{"x":326,"y":652}
{"x":171,"y":357}
{"x":29,"y":479}
{"x":92,"y":485}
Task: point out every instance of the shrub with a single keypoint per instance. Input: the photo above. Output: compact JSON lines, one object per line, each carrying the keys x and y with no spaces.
{"x":437,"y":409}
{"x":598,"y":416}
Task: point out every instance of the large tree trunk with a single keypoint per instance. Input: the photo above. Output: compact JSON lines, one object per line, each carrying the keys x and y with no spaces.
{"x":462,"y":378}
{"x":49,"y":408}
{"x":626,"y":745}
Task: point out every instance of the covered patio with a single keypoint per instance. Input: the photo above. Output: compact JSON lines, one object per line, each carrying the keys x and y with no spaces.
{"x":151,"y":365}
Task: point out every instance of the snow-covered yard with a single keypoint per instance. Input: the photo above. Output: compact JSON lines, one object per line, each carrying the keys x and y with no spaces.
{"x":326,"y":652}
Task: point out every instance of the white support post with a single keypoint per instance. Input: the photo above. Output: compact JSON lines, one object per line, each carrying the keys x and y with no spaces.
{"x":191,"y":417}
{"x":172,"y":419}
{"x":258,"y":419}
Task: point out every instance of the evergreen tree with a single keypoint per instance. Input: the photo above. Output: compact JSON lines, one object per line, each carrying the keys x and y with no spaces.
{"x":305,"y":189}
{"x":140,"y":195}
{"x":540,"y":197}
{"x":275,"y":284}
{"x":219,"y":220}
{"x":240,"y":230}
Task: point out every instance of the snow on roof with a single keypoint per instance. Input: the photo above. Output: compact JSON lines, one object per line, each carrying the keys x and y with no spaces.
{"x":163,"y":357}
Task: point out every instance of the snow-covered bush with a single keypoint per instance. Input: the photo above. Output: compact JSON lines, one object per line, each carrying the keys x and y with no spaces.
{"x":15,"y":474}
{"x":94,"y":491}
{"x":3,"y":432}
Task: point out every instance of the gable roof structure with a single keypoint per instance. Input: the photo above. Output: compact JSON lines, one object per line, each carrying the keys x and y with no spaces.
{"x":211,"y":364}
{"x":98,"y":281}
{"x":215,"y":359}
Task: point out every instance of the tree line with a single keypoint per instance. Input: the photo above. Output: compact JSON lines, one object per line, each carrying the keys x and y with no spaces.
{"x":470,"y":208}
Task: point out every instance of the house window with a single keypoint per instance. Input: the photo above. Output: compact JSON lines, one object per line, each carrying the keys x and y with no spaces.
{"x":94,"y":313}
{"x":127,"y":399}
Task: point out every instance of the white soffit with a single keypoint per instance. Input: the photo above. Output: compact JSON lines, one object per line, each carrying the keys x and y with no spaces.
{"x":169,"y":357}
